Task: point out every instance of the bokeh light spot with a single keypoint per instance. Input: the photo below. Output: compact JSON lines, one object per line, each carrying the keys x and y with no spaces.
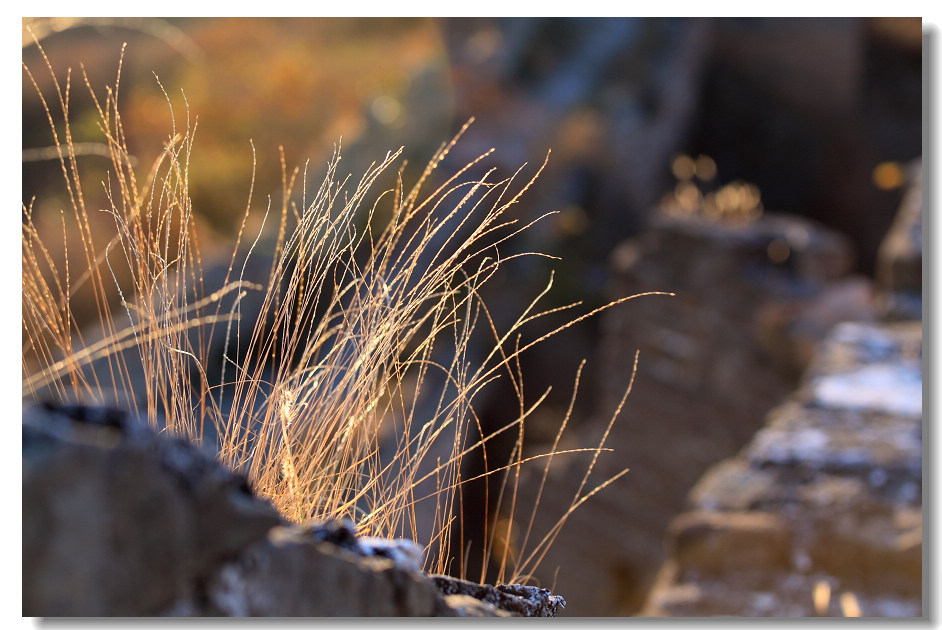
{"x":888,"y":175}
{"x":705,"y":168}
{"x":387,"y":110}
{"x":683,"y":167}
{"x":688,"y":196}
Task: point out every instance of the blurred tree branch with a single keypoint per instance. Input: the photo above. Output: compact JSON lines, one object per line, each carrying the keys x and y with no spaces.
{"x":38,"y":29}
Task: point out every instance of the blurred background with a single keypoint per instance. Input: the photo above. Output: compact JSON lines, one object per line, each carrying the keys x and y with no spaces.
{"x":755,"y":167}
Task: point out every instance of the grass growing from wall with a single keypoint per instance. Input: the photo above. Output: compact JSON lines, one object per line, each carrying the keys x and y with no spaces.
{"x":332,"y":394}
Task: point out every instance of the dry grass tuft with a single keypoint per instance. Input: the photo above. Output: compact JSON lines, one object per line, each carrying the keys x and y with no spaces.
{"x":350,"y":391}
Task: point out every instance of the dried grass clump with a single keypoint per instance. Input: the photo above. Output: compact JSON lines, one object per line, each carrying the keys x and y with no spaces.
{"x":336,"y":399}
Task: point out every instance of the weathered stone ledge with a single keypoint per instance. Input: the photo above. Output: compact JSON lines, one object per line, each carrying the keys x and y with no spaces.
{"x":121,"y":521}
{"x":829,"y":492}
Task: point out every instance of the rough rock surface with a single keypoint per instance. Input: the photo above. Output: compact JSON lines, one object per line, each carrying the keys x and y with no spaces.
{"x":524,"y":601}
{"x":292,"y":574}
{"x":119,"y":520}
{"x":827,"y":498}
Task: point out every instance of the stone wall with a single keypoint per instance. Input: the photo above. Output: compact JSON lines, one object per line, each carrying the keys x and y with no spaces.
{"x":119,"y":520}
{"x":709,"y":370}
{"x":821,"y":513}
{"x":827,"y":498}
